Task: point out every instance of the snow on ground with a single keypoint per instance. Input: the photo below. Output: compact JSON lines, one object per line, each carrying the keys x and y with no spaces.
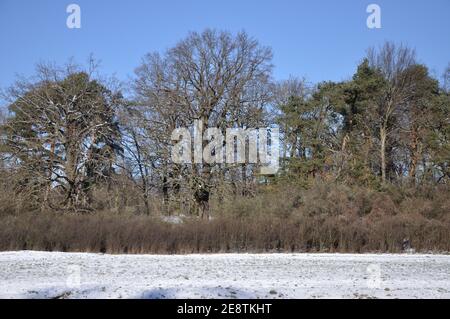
{"x":77,"y":275}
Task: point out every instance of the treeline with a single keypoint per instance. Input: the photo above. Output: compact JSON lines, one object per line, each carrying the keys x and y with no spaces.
{"x":72,"y":141}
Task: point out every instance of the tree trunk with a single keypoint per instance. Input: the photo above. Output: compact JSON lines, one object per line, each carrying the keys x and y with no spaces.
{"x":383,"y":136}
{"x":143,"y":172}
{"x":415,"y":154}
{"x":50,"y":167}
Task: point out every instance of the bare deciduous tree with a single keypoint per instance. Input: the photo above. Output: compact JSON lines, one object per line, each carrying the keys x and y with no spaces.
{"x":393,"y":62}
{"x":214,"y":77}
{"x":62,"y":134}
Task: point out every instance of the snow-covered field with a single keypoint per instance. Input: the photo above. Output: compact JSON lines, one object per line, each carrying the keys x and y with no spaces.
{"x":77,"y":275}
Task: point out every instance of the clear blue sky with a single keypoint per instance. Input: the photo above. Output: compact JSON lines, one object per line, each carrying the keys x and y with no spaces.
{"x":318,"y":39}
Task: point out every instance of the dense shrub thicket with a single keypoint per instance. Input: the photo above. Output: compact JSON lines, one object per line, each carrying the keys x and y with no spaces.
{"x":325,"y":218}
